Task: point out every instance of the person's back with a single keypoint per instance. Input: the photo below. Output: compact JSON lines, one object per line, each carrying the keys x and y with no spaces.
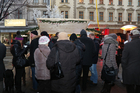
{"x":131,"y":63}
{"x":89,"y":52}
{"x":88,"y":55}
{"x":2,"y":67}
{"x":69,"y":57}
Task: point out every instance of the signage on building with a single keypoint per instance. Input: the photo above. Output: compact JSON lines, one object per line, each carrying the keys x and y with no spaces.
{"x":15,"y":22}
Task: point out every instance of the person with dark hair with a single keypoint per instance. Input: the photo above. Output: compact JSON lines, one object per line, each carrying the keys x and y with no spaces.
{"x":89,"y":53}
{"x":81,"y":49}
{"x":44,"y":33}
{"x":2,"y":67}
{"x":18,"y":51}
{"x":54,"y":39}
{"x":131,"y":63}
{"x":33,"y":46}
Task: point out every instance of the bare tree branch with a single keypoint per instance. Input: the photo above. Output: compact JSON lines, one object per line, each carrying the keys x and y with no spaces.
{"x":5,"y":14}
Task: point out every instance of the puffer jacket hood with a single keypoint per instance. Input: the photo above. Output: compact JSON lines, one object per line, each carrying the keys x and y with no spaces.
{"x":83,"y":33}
{"x":109,"y":39}
{"x":65,"y":45}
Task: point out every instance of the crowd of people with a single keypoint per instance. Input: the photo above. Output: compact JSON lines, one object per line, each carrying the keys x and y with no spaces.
{"x":76,"y":55}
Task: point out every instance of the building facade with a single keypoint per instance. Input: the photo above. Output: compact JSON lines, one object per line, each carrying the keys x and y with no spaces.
{"x":112,"y":14}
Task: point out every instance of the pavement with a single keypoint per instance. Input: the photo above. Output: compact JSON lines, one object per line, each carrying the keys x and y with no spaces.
{"x":117,"y":88}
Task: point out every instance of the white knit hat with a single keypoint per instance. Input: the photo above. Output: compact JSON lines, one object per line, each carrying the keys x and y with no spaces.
{"x":44,"y":40}
{"x":135,"y":32}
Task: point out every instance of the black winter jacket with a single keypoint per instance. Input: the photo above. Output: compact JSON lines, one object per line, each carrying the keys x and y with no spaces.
{"x":90,"y":52}
{"x":33,"y":46}
{"x":131,"y":62}
{"x":17,"y":51}
{"x":95,"y":59}
{"x":2,"y":55}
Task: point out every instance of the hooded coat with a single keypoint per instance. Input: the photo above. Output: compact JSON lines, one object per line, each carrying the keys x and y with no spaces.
{"x":90,"y":51}
{"x":2,"y":55}
{"x":41,"y":71}
{"x":111,"y":55}
{"x":131,"y":62}
{"x":69,"y":57}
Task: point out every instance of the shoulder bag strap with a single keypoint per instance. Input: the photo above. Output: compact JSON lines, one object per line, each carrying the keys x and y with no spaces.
{"x":106,"y":53}
{"x":42,"y":53}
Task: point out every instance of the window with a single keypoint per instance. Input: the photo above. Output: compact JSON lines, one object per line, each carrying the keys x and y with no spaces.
{"x":129,"y":17}
{"x":120,"y":17}
{"x":66,"y":14}
{"x":110,"y":2}
{"x":45,"y":1}
{"x":138,"y":18}
{"x":91,"y":1}
{"x":44,"y":13}
{"x":110,"y":16}
{"x":18,"y":14}
{"x":66,"y":1}
{"x":62,"y":1}
{"x":101,"y":2}
{"x":138,"y":2}
{"x":101,"y":16}
{"x":81,"y":14}
{"x":35,"y":1}
{"x":130,"y":2}
{"x":81,"y":1}
{"x":120,"y":2}
{"x":91,"y":16}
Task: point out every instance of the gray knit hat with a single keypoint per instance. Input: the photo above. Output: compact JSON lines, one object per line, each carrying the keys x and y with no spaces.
{"x":113,"y":35}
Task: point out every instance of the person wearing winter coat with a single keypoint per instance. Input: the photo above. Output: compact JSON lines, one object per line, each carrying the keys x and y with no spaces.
{"x":93,"y":69}
{"x":88,"y":55}
{"x":81,"y":48}
{"x":110,"y":58}
{"x":17,"y":51}
{"x":131,"y":63}
{"x":42,"y":73}
{"x":68,"y":57}
{"x":2,"y":66}
{"x":33,"y":46}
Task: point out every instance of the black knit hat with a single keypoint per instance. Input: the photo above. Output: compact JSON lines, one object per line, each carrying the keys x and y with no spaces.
{"x":73,"y":37}
{"x":34,"y":32}
{"x":44,"y":33}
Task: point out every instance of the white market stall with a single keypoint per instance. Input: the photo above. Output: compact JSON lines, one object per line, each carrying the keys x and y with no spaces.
{"x":53,"y":25}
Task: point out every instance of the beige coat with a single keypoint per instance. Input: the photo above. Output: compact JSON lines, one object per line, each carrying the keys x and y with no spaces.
{"x":111,"y":55}
{"x":41,"y":71}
